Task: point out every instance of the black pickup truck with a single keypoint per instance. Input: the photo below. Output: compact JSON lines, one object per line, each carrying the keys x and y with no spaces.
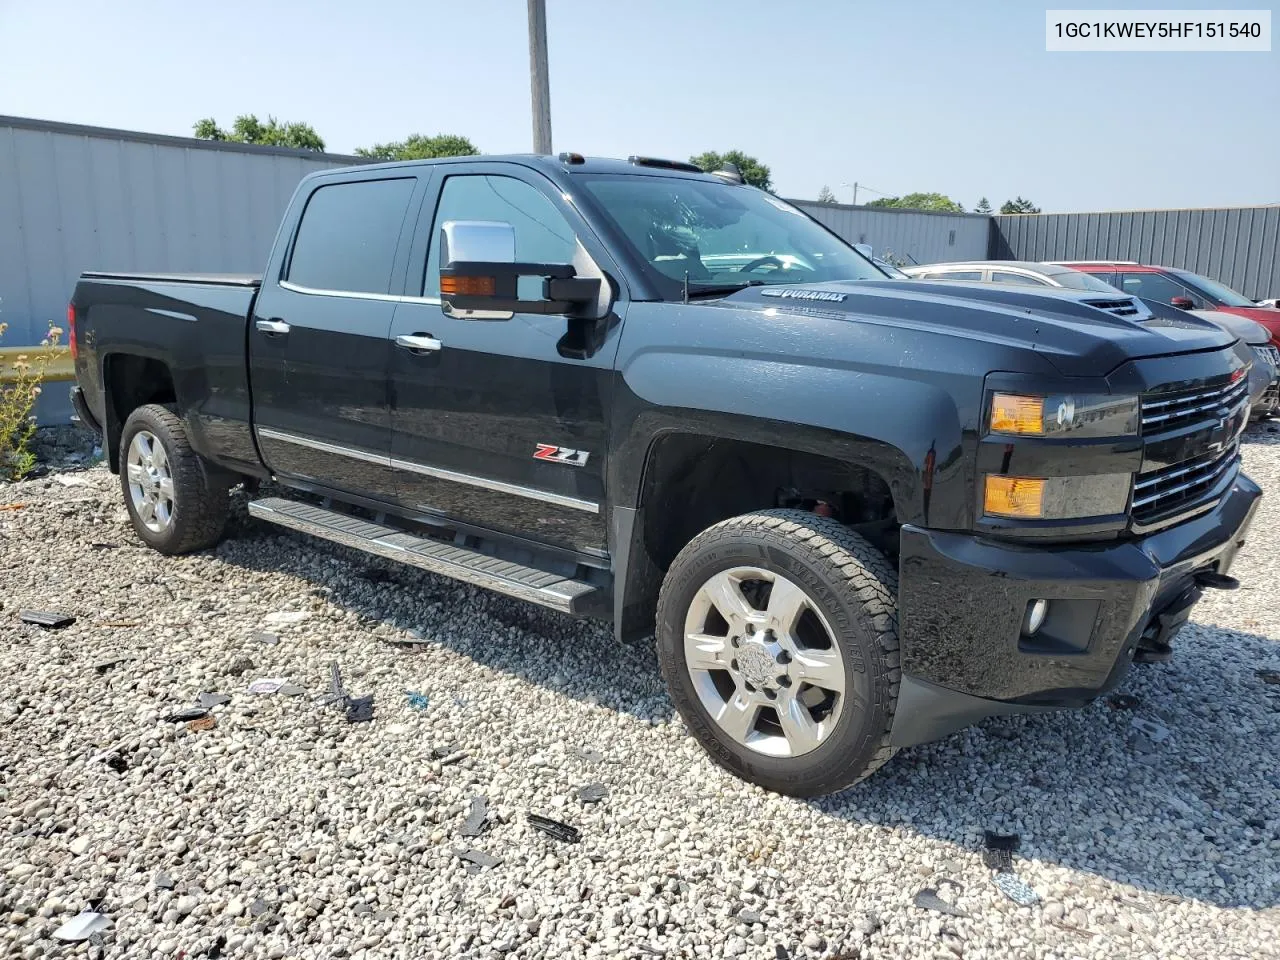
{"x":857,"y":513}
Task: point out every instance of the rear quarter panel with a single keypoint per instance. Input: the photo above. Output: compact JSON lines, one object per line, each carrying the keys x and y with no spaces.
{"x":197,"y":331}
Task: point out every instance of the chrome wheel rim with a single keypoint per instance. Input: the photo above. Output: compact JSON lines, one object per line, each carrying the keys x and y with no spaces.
{"x":150,"y":481}
{"x":764,"y":662}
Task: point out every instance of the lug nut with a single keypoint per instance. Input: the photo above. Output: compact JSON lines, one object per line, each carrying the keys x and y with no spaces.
{"x":770,"y":694}
{"x":734,"y":641}
{"x":784,"y":657}
{"x":733,"y":664}
{"x":784,"y":681}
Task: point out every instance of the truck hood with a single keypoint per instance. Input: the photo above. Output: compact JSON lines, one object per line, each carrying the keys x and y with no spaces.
{"x":1076,"y":331}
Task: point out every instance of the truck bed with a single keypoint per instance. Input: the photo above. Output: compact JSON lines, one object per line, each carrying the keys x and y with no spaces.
{"x":185,"y":329}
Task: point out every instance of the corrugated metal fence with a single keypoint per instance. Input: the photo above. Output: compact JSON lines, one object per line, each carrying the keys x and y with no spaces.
{"x":912,"y":236}
{"x":78,"y":198}
{"x":1239,"y":246}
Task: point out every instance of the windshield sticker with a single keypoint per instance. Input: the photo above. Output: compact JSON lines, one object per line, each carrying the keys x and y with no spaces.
{"x":790,"y":293}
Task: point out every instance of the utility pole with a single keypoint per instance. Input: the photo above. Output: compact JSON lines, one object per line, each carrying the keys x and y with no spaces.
{"x":854,"y":187}
{"x":539,"y":78}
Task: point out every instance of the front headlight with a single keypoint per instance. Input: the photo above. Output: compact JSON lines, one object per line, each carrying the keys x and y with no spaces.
{"x":1056,"y":498}
{"x":1052,"y":415}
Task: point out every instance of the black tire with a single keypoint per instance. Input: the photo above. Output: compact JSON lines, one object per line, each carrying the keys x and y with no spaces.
{"x":200,"y":492}
{"x":853,"y":586}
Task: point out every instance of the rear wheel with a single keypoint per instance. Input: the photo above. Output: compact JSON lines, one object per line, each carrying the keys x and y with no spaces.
{"x":177,"y":501}
{"x":777,"y":635}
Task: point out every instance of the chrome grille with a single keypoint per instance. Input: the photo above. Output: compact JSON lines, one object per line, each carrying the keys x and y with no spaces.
{"x":1164,"y":493}
{"x":1161,"y":411}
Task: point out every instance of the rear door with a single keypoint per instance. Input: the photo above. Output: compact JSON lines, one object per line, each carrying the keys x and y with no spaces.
{"x":318,"y":347}
{"x":501,"y":426}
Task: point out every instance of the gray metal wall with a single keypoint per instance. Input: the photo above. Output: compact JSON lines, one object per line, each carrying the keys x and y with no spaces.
{"x":912,"y":236}
{"x":76,"y":198}
{"x":1239,"y":246}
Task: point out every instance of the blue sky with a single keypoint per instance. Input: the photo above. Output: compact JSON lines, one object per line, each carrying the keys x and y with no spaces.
{"x":958,"y":98}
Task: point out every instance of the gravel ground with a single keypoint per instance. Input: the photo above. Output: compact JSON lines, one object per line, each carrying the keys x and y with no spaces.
{"x":286,"y":831}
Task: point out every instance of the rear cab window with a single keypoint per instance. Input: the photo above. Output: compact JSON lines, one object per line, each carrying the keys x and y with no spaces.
{"x":1004,"y":276}
{"x":346,"y":241}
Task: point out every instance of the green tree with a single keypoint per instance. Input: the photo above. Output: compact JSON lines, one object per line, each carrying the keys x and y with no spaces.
{"x":937,"y":202}
{"x":752,"y":170}
{"x":249,"y":129}
{"x":420,"y":147}
{"x":1019,"y":206}
{"x":984,"y":206}
{"x":825,"y":195}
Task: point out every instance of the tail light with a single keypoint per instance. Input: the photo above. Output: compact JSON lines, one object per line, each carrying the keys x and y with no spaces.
{"x":71,"y":331}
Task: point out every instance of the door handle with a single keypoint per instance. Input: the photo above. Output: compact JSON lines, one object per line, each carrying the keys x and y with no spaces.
{"x":272,"y":326}
{"x":418,"y":341}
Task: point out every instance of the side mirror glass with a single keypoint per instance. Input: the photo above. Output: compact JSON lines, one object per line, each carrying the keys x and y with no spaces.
{"x":1182,"y":303}
{"x":480,"y":278}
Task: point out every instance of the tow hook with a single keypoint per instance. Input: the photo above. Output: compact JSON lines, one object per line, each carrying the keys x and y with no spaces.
{"x":1216,"y":581}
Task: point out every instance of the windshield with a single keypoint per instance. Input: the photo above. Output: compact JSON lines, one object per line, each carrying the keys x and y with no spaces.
{"x":721,"y":235}
{"x":1075,"y":280}
{"x":1213,"y":289}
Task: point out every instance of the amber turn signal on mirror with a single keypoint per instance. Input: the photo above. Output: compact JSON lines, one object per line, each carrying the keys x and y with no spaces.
{"x":467,"y":286}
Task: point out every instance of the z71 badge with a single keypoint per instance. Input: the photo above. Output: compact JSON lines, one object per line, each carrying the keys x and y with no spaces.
{"x":548,"y":451}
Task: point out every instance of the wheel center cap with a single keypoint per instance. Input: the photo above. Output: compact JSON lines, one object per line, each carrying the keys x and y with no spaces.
{"x":758,"y":665}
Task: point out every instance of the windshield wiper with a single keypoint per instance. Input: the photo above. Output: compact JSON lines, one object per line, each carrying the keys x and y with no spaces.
{"x":692,"y":290}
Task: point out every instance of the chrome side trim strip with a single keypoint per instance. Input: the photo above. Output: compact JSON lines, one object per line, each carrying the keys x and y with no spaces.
{"x":559,"y":499}
{"x":355,"y":295}
{"x":484,"y":483}
{"x":333,"y":448}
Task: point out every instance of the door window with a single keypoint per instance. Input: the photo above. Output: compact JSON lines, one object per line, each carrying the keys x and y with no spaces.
{"x":956,"y":275}
{"x":1156,"y":286}
{"x":348,"y":235}
{"x":1004,"y":276}
{"x":543,"y":235}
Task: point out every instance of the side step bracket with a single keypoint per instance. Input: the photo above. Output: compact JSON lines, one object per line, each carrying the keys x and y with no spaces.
{"x":470,"y":566}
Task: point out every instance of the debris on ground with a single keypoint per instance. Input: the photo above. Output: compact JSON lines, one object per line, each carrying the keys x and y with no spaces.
{"x":270,"y":639}
{"x":474,"y":824}
{"x":286,"y":617}
{"x":998,"y":850}
{"x":12,"y":506}
{"x":1123,"y":701}
{"x":554,"y":828}
{"x":291,"y":690}
{"x":360,"y":709}
{"x":82,"y":926}
{"x":928,"y":899}
{"x":593,"y":792}
{"x":102,"y":666}
{"x":204,"y":723}
{"x":418,"y":701}
{"x":589,"y":754}
{"x":1269,"y":676}
{"x":477,"y":857}
{"x":49,"y":619}
{"x":210,"y":700}
{"x":1016,"y":889}
{"x":267,"y":685}
{"x":357,"y":709}
{"x":443,"y":750}
{"x":1155,"y":731}
{"x":239,"y":666}
{"x":163,"y":881}
{"x":186,"y":714}
{"x":117,"y":763}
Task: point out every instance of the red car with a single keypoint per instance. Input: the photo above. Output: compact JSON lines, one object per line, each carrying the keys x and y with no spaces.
{"x":1180,"y":288}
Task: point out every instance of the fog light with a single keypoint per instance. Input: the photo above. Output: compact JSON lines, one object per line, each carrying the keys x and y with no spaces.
{"x":1037,"y":610}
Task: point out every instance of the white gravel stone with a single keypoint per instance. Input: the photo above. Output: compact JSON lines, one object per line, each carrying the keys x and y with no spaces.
{"x":290,"y":832}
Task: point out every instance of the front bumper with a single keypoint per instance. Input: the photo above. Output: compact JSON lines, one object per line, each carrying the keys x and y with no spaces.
{"x":962,"y":599}
{"x":1269,"y":402}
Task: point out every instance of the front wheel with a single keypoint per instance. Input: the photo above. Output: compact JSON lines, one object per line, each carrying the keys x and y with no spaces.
{"x":778,"y":638}
{"x":176,"y":501}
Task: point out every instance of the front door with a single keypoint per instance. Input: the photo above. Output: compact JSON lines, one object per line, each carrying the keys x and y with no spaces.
{"x":318,"y":346}
{"x":494,"y":424}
